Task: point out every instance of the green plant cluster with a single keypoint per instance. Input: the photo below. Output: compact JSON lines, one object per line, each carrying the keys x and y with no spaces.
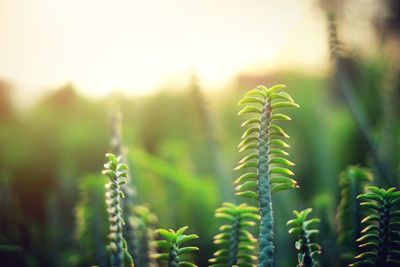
{"x":268,"y":166}
{"x":352,"y":182}
{"x":238,"y":244}
{"x":266,"y":170}
{"x":144,"y":222}
{"x":172,"y":244}
{"x":305,"y":230}
{"x":380,"y":240}
{"x":117,"y":173}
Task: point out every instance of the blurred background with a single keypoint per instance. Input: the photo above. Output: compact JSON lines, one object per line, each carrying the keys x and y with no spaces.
{"x":158,"y":81}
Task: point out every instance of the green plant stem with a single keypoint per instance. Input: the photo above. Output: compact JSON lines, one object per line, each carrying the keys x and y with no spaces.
{"x":384,"y":234}
{"x":213,"y":146}
{"x":117,"y":147}
{"x":234,"y":241}
{"x":174,"y":257}
{"x":266,"y":236}
{"x":305,"y":249}
{"x":117,"y":258}
{"x":354,"y":104}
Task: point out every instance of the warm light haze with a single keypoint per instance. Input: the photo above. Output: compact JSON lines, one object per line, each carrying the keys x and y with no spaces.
{"x":139,"y":46}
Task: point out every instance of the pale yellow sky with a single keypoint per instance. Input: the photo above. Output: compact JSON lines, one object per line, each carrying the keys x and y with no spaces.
{"x":137,"y":46}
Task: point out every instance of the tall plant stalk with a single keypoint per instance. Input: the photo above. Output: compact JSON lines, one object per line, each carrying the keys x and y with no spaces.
{"x":355,"y":106}
{"x":267,"y":164}
{"x":127,"y":203}
{"x":352,"y":182}
{"x":214,"y":154}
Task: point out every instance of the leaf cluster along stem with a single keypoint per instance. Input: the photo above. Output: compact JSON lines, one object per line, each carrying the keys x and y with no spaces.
{"x":117,"y":173}
{"x":267,"y":166}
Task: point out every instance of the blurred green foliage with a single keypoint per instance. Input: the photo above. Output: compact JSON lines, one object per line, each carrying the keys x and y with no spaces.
{"x":46,"y":150}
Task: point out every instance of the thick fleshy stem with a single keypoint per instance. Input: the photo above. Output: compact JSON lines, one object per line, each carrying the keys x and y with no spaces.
{"x":266,"y":235}
{"x":174,"y":257}
{"x":234,"y":241}
{"x":384,"y":234}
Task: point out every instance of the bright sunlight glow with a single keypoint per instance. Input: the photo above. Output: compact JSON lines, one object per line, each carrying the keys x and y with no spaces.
{"x":137,"y":46}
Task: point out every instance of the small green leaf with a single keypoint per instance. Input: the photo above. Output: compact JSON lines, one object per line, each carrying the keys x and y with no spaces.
{"x":248,"y":157}
{"x":279,"y":116}
{"x":249,"y":185}
{"x":282,"y":95}
{"x":256,"y":92}
{"x":164,"y":244}
{"x":181,"y":230}
{"x":275,"y":88}
{"x":250,"y":194}
{"x":249,"y":109}
{"x":371,"y":205}
{"x":251,"y":99}
{"x":224,"y":216}
{"x":248,"y":146}
{"x":281,"y":161}
{"x":161,"y":256}
{"x":284,"y":105}
{"x":278,"y":142}
{"x":187,"y":250}
{"x":250,"y":131}
{"x":184,"y":238}
{"x":165,"y":234}
{"x":247,"y":140}
{"x":274,"y":129}
{"x":247,"y":164}
{"x":251,"y":121}
{"x":246,"y":177}
{"x":277,"y":151}
{"x":279,"y":170}
{"x":280,"y":179}
{"x":282,"y":187}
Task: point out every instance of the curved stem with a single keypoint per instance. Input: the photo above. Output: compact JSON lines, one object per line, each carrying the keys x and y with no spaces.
{"x":354,"y":104}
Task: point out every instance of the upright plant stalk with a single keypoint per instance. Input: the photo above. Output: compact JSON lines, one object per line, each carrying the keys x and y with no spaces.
{"x":91,"y":221}
{"x":144,"y":222}
{"x":353,"y":102}
{"x":304,"y":230}
{"x":127,"y":204}
{"x":266,"y":175}
{"x":212,"y":143}
{"x":174,"y":253}
{"x":116,"y":171}
{"x":352,"y":182}
{"x":380,"y":240}
{"x":237,"y":243}
{"x":118,"y":148}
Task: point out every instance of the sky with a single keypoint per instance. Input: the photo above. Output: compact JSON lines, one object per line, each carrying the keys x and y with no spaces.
{"x":138,"y":46}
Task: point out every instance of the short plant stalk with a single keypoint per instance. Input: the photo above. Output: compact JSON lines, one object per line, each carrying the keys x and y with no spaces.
{"x":116,"y":171}
{"x":234,"y":241}
{"x":384,"y":234}
{"x":117,"y":257}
